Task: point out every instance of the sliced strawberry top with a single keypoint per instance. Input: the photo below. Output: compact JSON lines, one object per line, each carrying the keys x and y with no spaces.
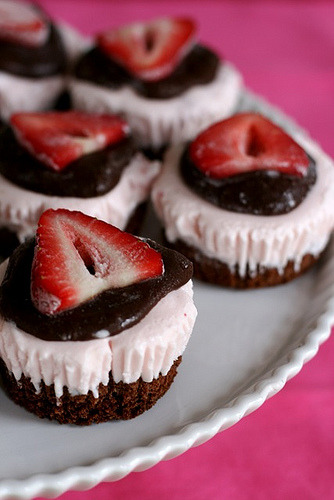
{"x":244,"y":143}
{"x":22,"y":23}
{"x":58,"y":138}
{"x":77,"y":257}
{"x":151,"y":50}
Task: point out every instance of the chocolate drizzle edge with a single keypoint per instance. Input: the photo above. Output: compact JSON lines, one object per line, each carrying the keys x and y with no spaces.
{"x":113,"y":310}
{"x":34,"y":62}
{"x":91,"y":175}
{"x":198,"y":67}
{"x":257,"y":193}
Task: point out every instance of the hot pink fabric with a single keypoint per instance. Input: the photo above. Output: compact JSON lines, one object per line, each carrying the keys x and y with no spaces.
{"x":285,"y":51}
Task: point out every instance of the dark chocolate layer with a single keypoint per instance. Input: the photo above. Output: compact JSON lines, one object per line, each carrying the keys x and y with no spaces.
{"x":34,"y":62}
{"x":258,"y":193}
{"x":114,"y":310}
{"x":8,"y":242}
{"x":199,"y":67}
{"x":91,"y":175}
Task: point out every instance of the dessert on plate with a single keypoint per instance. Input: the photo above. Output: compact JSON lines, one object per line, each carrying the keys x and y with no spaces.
{"x":93,"y":320}
{"x":74,"y":160}
{"x":167,"y":85}
{"x":248,"y":204}
{"x":33,"y":58}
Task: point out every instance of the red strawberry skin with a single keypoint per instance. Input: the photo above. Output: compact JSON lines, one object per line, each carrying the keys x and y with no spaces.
{"x":58,"y":138}
{"x":247,"y":142}
{"x":151,"y":50}
{"x":22,"y":23}
{"x":77,"y":257}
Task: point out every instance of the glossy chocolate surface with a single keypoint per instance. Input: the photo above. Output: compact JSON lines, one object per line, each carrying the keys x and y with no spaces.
{"x":34,"y":62}
{"x":114,"y":310}
{"x":91,"y":175}
{"x":258,"y":193}
{"x":199,"y":67}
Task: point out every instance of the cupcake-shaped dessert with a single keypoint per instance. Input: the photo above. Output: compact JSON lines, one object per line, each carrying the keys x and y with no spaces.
{"x":32,"y":59}
{"x":93,"y":320}
{"x":75,"y":160}
{"x":248,"y":204}
{"x":166,"y":85}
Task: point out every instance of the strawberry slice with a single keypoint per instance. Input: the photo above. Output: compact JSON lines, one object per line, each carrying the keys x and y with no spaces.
{"x":244,"y":143}
{"x":149,"y":50}
{"x":77,"y":257}
{"x":58,"y":138}
{"x":22,"y":23}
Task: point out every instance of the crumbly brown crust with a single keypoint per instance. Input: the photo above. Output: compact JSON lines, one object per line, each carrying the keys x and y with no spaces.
{"x":215,"y":271}
{"x":116,"y":401}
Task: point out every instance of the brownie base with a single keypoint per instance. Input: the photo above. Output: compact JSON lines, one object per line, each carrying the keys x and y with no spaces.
{"x":116,"y":401}
{"x":214,"y":271}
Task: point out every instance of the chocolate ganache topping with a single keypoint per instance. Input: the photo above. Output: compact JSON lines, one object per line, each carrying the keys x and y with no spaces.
{"x":91,"y":175}
{"x":34,"y":62}
{"x":258,"y":193}
{"x":199,"y":67}
{"x":113,"y":310}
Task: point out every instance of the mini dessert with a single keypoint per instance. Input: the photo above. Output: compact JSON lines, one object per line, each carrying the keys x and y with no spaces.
{"x":166,"y":85}
{"x":248,"y":204}
{"x":32,"y":59}
{"x":74,"y":160}
{"x":93,"y":320}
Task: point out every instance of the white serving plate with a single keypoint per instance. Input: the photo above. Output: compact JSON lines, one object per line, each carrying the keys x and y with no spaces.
{"x":245,"y":346}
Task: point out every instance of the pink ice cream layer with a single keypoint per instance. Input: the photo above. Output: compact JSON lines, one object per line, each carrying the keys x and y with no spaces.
{"x":144,"y":350}
{"x":20,"y":209}
{"x":19,"y":94}
{"x":241,"y":239}
{"x":157,"y":122}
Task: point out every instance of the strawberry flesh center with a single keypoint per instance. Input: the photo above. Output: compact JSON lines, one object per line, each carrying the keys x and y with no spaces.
{"x":246,"y":143}
{"x":150,"y":50}
{"x":78,"y":257}
{"x":57,"y":139}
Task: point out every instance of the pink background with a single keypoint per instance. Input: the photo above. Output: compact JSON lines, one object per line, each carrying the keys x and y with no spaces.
{"x":285,"y":51}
